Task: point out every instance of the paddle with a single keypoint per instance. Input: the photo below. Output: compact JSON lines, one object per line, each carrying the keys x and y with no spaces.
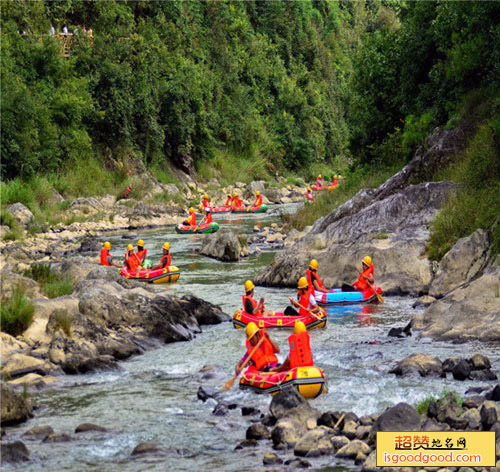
{"x":309,"y":311}
{"x":229,"y":384}
{"x":380,"y":298}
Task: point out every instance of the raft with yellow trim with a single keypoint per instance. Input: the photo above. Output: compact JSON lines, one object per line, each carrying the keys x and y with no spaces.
{"x":278,"y":320}
{"x":157,"y":276}
{"x":251,"y":209}
{"x":310,"y":382}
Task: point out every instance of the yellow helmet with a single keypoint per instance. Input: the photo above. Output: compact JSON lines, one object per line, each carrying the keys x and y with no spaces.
{"x":166,"y":246}
{"x":107,"y":245}
{"x":205,"y":196}
{"x":235,"y":195}
{"x":367,"y":260}
{"x":309,"y":188}
{"x":334,"y":176}
{"x":250,"y":330}
{"x":302,"y":283}
{"x":313,"y":264}
{"x":299,"y":327}
{"x":229,"y":195}
{"x":140,"y":243}
{"x":319,"y":175}
{"x":257,"y":193}
{"x":130,"y":247}
{"x":191,"y":210}
{"x":249,"y":286}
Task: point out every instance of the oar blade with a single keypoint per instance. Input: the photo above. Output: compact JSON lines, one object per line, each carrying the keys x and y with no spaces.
{"x":228,"y":385}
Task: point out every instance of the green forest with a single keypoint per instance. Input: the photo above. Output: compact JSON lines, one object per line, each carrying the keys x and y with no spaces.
{"x":249,"y":89}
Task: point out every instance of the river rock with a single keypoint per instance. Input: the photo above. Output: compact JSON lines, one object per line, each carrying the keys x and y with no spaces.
{"x":490,"y":414}
{"x":258,"y":431}
{"x":34,"y":381}
{"x":145,"y":448}
{"x":10,"y":280}
{"x":10,"y":345}
{"x":494,"y":394}
{"x":461,"y":263}
{"x":38,"y":432}
{"x":405,"y":216}
{"x":402,"y":417}
{"x":86,"y":427}
{"x":14,"y":408}
{"x":21,"y":213}
{"x":466,"y":313}
{"x":479,"y":362}
{"x":286,"y":433}
{"x":448,"y":407}
{"x":271,"y":459}
{"x":252,"y":187}
{"x":224,"y":245}
{"x":289,"y":402}
{"x":426,"y":364}
{"x":311,"y":441}
{"x":461,"y":370}
{"x":57,"y":438}
{"x":473,"y":418}
{"x":20,"y":364}
{"x":14,"y":452}
{"x":352,"y":449}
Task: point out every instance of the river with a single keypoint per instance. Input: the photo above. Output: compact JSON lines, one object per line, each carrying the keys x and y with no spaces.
{"x":153,"y":397}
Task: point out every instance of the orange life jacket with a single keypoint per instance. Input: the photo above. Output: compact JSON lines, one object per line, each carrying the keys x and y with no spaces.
{"x":300,"y":350}
{"x":314,"y":276}
{"x":319,"y":182}
{"x":254,"y":303}
{"x":206,"y":203}
{"x":237,"y":202}
{"x":132,"y":262}
{"x":304,"y":301}
{"x":207,"y":220}
{"x":192,"y":219}
{"x":258,"y":201}
{"x":263,"y":355}
{"x":141,"y":255}
{"x":335,"y":182}
{"x":104,"y":257}
{"x":361,"y":283}
{"x":228,"y":201}
{"x":166,"y":261}
{"x":310,"y":196}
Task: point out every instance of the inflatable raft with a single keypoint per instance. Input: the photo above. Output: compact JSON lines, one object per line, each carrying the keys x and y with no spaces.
{"x":337,"y":296}
{"x":241,"y":318}
{"x":317,"y":187}
{"x":203,"y":229}
{"x":158,"y":276}
{"x":222,"y":209}
{"x":251,"y":209}
{"x":309,"y":381}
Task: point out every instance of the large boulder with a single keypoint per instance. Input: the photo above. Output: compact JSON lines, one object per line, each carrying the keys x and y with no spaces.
{"x":401,"y":417}
{"x":10,"y":280}
{"x":255,"y":185}
{"x":469,"y":312}
{"x":21,"y":213}
{"x":426,"y":364}
{"x":461,"y":263}
{"x":14,"y":452}
{"x":394,"y":231}
{"x":14,"y":408}
{"x":224,"y":245}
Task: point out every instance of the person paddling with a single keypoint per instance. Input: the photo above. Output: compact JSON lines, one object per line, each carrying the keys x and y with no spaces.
{"x":258,"y":199}
{"x":132,"y":262}
{"x":141,"y":252}
{"x":300,"y":349}
{"x":310,"y":195}
{"x":313,"y":277}
{"x":206,"y":202}
{"x":365,"y":276}
{"x":237,"y":203}
{"x":191,"y":221}
{"x":166,"y":260}
{"x":250,"y":305}
{"x":207,"y":219}
{"x":106,"y":257}
{"x":319,"y":181}
{"x":334,"y":181}
{"x":264,"y":357}
{"x":306,"y":303}
{"x":229,"y":201}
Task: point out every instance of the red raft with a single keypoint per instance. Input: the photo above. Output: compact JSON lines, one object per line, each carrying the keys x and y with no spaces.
{"x":222,"y":209}
{"x":278,"y":320}
{"x":309,"y":381}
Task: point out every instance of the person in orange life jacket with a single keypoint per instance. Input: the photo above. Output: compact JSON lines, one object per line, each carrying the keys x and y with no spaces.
{"x":313,"y":277}
{"x":166,"y":260}
{"x":106,"y":257}
{"x":310,"y":195}
{"x":258,"y":200}
{"x":305,"y":297}
{"x":207,"y":219}
{"x":366,"y":276}
{"x":229,"y":200}
{"x":141,"y":252}
{"x":206,"y":201}
{"x":300,"y":349}
{"x":264,"y":357}
{"x":334,"y":181}
{"x":319,"y":181}
{"x":237,"y":203}
{"x":132,"y":262}
{"x":250,"y":305}
{"x":191,"y":221}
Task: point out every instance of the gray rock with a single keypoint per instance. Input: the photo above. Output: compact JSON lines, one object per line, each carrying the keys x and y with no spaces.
{"x":461,"y":371}
{"x":86,"y":427}
{"x":450,"y":363}
{"x":479,"y":362}
{"x":285,"y":401}
{"x":352,"y":449}
{"x":286,"y":433}
{"x":271,"y":459}
{"x":473,"y":418}
{"x":461,"y":263}
{"x":258,"y":431}
{"x":310,"y":441}
{"x":448,"y":407}
{"x":490,"y":414}
{"x":57,"y":438}
{"x":21,"y":213}
{"x":338,"y":442}
{"x":246,"y":443}
{"x":38,"y":432}
{"x":401,"y":417}
{"x":224,"y":245}
{"x":145,"y":448}
{"x":349,"y":429}
{"x":14,"y":452}
{"x":483,"y":375}
{"x":14,"y":408}
{"x":426,"y":364}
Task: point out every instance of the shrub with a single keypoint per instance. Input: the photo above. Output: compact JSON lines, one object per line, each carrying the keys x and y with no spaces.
{"x":17,"y":313}
{"x":61,"y":319}
{"x":53,"y":285}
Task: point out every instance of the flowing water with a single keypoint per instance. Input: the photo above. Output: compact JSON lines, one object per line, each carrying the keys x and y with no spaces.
{"x":153,"y":397}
